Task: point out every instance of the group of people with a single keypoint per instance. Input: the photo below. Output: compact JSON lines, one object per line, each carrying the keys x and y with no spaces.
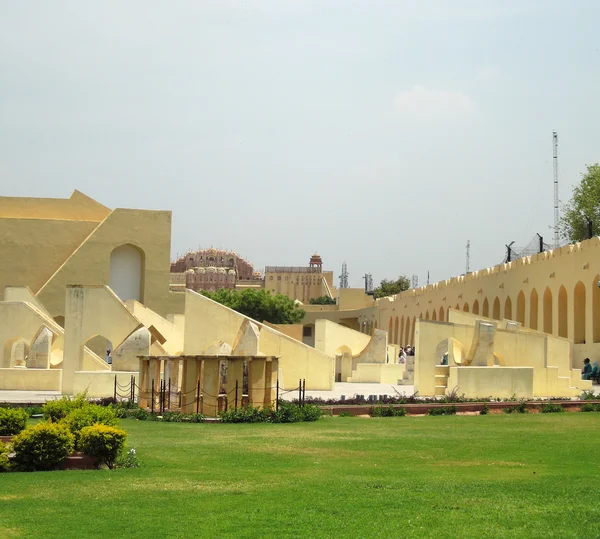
{"x":404,"y":352}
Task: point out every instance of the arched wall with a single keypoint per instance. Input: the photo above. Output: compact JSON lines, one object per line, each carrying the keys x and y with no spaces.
{"x":127,"y":272}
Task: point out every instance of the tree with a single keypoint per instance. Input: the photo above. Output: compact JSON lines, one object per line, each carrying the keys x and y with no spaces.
{"x":581,"y":215}
{"x":323,"y":300}
{"x":389,"y":288}
{"x":259,"y":305}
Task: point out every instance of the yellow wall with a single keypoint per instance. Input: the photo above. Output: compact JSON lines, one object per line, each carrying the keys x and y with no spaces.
{"x":30,"y":379}
{"x":291,"y":330}
{"x":208,"y":322}
{"x":329,"y":337}
{"x":173,"y":333}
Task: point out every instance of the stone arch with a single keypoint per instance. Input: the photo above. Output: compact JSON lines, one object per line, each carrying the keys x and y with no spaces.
{"x":396,"y":326}
{"x":434,"y":314}
{"x":100,"y":345}
{"x":547,"y":312}
{"x":441,"y":317}
{"x":457,"y":307}
{"x":406,"y":335}
{"x":508,"y":308}
{"x":521,"y":308}
{"x":579,"y":313}
{"x":127,"y":272}
{"x":41,"y":349}
{"x":391,"y":330}
{"x":476,"y":307}
{"x":596,"y":308}
{"x":427,"y":315}
{"x":401,"y":334}
{"x":533,"y":309}
{"x":496,"y":309}
{"x":466,"y":307}
{"x":486,"y":308}
{"x":412,"y":334}
{"x":343,"y":363}
{"x":562,"y":312}
{"x":16,"y":352}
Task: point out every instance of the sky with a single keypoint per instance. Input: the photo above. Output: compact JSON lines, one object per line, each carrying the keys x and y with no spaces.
{"x":382,"y":133}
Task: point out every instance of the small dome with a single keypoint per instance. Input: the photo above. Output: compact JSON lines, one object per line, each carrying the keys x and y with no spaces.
{"x":190,"y":271}
{"x":222,"y":270}
{"x":200,"y":270}
{"x":211,"y":269}
{"x":231,"y":272}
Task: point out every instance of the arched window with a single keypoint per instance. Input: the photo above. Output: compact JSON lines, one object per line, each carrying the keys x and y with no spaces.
{"x":441,"y":317}
{"x":486,"y":308}
{"x":547,"y":310}
{"x":533,"y":309}
{"x":521,"y":308}
{"x":476,"y":307}
{"x":496,"y":309}
{"x":127,"y":272}
{"x":466,"y":307}
{"x":508,"y":308}
{"x":562,"y":312}
{"x":579,"y":313}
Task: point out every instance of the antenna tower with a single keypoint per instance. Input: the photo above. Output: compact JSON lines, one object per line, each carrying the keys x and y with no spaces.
{"x":468,"y":256}
{"x":415,"y":282}
{"x":555,"y":162}
{"x":344,"y":276}
{"x":368,"y":284}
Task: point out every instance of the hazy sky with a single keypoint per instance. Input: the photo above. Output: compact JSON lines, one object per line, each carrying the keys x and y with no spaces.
{"x":383,"y":133}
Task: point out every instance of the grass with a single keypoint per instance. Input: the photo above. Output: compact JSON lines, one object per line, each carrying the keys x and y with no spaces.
{"x":461,"y":476}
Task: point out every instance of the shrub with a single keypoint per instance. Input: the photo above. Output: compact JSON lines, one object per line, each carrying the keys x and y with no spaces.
{"x":310,"y":412}
{"x":588,"y":396}
{"x":127,"y":460}
{"x":550,"y":408}
{"x":590,"y":407}
{"x":345,"y":414}
{"x":4,"y":462}
{"x":442,"y":410}
{"x":287,"y":413}
{"x":141,"y":414}
{"x":12,"y":421}
{"x":42,"y":446}
{"x":387,"y":411}
{"x":520,"y":409}
{"x":59,"y":409}
{"x":103,"y":442}
{"x":485,"y":410}
{"x":87,"y":416}
{"x":248,"y":414}
{"x":124,"y":409}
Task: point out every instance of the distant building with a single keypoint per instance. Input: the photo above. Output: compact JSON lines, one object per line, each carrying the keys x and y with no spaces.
{"x":212,"y":269}
{"x":300,"y":282}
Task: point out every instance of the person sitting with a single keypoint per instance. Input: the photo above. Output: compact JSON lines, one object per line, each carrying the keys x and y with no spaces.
{"x":595,"y":375}
{"x":586,"y":372}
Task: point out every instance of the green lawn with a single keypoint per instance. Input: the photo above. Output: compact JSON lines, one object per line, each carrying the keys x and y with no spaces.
{"x":467,"y":476}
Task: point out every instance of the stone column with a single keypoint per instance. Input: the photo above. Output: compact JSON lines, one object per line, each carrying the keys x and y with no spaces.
{"x":73,"y":347}
{"x":271,"y":375}
{"x":154,"y":374}
{"x":257,"y":381}
{"x":235,"y":372}
{"x":589,"y":313}
{"x":210,"y":386}
{"x":143,"y":396}
{"x":189,"y":384}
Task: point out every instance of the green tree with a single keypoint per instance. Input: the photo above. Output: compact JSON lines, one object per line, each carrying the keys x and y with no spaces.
{"x":581,"y":215}
{"x":389,"y":288}
{"x":322,"y":300}
{"x":259,"y":305}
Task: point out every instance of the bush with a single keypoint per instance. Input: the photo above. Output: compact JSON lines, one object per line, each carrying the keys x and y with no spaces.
{"x":485,"y":410}
{"x":345,"y":414}
{"x":59,"y":409}
{"x":442,"y":410}
{"x":87,"y":416}
{"x":550,"y":408}
{"x":520,"y":409}
{"x":124,"y":409}
{"x":387,"y":411}
{"x":4,"y":462}
{"x":103,"y":442}
{"x":12,"y":421}
{"x":42,"y":447}
{"x":127,"y":460}
{"x":590,"y":407}
{"x":248,"y":414}
{"x":287,"y":413}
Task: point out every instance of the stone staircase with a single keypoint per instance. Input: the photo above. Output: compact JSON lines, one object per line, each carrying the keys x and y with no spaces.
{"x":408,"y":376}
{"x":441,"y":379}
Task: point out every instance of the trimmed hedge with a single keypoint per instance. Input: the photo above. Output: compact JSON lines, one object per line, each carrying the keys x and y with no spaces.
{"x":12,"y":421}
{"x":87,"y":416}
{"x":103,"y":442}
{"x":42,"y":447}
{"x":4,"y":462}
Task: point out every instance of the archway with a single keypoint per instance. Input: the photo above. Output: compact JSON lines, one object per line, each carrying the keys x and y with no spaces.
{"x":391,"y":330}
{"x":406,"y":336}
{"x":427,"y":315}
{"x":496,"y":309}
{"x":343,"y":363}
{"x":16,"y":352}
{"x":466,"y":307}
{"x":441,"y":317}
{"x":579,"y":313}
{"x":101,"y":346}
{"x":533,"y":309}
{"x":434,"y":315}
{"x":412,"y":334}
{"x":396,"y":330}
{"x":476,"y":307}
{"x":547,"y":311}
{"x":401,"y":334}
{"x":127,"y":272}
{"x":486,"y":308}
{"x":508,"y":309}
{"x":521,"y":308}
{"x":562,"y":312}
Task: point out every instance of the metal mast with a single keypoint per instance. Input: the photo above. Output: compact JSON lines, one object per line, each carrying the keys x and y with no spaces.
{"x":555,"y":162}
{"x":468,"y":256}
{"x":344,"y":276}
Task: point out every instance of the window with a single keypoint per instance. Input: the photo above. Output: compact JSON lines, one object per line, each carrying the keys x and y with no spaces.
{"x":279,"y":277}
{"x":307,"y":331}
{"x":271,"y":278}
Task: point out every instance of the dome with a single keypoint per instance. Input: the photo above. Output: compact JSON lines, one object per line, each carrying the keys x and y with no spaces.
{"x":222,"y":270}
{"x":200,"y":270}
{"x":231,"y":272}
{"x":211,"y":269}
{"x":190,"y":271}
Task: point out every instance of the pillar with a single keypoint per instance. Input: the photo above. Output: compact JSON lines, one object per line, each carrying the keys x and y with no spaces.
{"x":189,"y":384}
{"x":144,"y":384}
{"x":271,"y":376}
{"x":73,"y":350}
{"x":235,"y":372}
{"x":210,"y":386}
{"x":257,"y":381}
